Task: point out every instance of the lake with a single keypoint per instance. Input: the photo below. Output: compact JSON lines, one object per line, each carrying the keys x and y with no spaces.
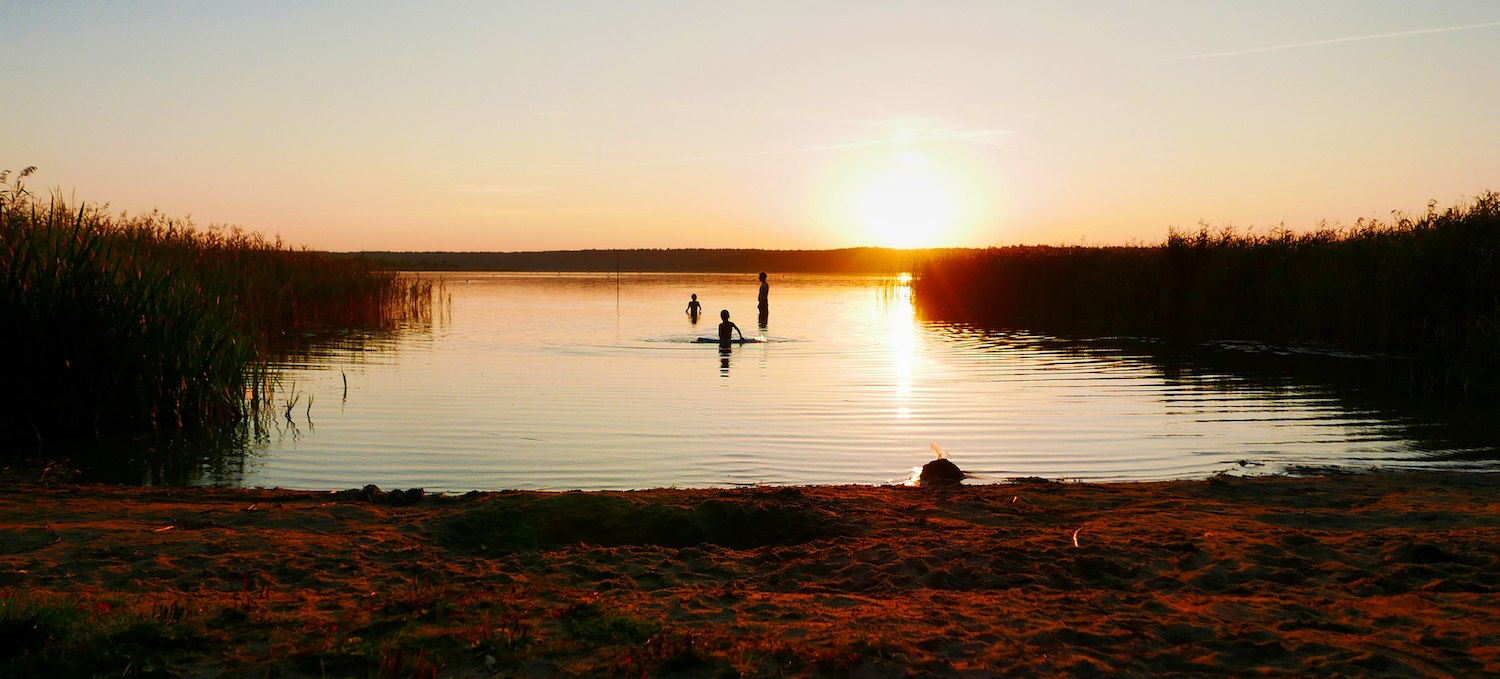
{"x":594,"y":381}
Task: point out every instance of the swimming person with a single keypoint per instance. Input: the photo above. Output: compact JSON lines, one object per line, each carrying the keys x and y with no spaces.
{"x":725,"y":328}
{"x":694,"y":308}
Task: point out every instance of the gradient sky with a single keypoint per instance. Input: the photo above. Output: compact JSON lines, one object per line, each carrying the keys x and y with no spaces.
{"x":567,"y":125}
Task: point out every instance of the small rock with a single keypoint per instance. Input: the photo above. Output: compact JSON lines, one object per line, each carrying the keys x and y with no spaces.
{"x":940,"y":472}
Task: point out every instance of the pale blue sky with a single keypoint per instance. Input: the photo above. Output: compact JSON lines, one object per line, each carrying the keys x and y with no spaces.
{"x":562,"y":125}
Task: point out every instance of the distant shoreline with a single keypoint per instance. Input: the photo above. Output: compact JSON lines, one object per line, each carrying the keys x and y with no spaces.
{"x":867,"y":260}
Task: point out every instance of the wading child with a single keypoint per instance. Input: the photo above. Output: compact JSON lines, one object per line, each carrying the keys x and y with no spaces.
{"x":725,"y":328}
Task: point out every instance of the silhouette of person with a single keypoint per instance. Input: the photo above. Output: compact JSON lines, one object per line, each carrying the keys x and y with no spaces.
{"x":694,"y":308}
{"x":725,"y":328}
{"x":762,"y":301}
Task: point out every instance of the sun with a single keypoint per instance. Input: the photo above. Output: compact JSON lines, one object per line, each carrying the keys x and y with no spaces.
{"x":905,"y":206}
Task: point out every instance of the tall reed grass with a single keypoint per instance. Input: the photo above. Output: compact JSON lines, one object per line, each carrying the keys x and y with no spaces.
{"x":119,"y":323}
{"x":1424,"y":288}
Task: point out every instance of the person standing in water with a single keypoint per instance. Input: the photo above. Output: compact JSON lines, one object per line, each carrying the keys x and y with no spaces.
{"x":694,"y":308}
{"x":726,"y":328}
{"x":762,"y":301}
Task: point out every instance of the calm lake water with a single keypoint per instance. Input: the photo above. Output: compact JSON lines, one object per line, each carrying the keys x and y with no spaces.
{"x":572,"y":381}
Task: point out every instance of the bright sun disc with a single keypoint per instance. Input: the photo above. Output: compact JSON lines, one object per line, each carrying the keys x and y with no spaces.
{"x":906,"y":208}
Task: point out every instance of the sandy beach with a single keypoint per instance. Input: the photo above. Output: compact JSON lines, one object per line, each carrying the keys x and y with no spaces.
{"x":1374,"y":574}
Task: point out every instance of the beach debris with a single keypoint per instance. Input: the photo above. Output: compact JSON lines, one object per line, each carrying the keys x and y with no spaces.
{"x":1037,"y":480}
{"x":941,"y":471}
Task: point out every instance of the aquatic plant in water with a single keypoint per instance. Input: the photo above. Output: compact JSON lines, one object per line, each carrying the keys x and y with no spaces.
{"x":121,"y":322}
{"x":1426,"y":289}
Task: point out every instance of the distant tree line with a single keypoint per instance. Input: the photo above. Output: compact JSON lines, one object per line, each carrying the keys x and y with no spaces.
{"x":698,"y":260}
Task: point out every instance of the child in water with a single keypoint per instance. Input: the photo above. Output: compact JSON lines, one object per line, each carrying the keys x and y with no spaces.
{"x":694,"y":308}
{"x":726,"y":327}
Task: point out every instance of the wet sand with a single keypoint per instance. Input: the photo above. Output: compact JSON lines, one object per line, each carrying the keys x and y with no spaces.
{"x":1376,"y":574}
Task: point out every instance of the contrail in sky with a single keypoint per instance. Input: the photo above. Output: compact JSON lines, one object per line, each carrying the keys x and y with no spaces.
{"x":1333,"y":41}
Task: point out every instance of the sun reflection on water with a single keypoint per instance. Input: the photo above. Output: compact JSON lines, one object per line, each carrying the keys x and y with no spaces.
{"x":902,"y":338}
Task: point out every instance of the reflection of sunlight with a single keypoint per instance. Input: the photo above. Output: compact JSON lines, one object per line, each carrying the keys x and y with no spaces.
{"x":916,"y":477}
{"x":903,"y":342}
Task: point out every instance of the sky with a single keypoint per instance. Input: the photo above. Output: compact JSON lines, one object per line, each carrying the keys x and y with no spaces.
{"x":571,"y":124}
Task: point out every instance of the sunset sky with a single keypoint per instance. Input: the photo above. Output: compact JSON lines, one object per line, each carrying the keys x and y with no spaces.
{"x":798,"y":124}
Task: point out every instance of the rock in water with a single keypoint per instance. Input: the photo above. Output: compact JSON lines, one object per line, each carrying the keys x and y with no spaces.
{"x":940,"y":472}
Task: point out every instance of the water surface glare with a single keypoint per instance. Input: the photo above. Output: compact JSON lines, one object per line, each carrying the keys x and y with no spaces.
{"x":546,"y":381}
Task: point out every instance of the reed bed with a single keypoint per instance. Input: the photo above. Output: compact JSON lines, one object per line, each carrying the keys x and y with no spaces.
{"x":122,"y":323}
{"x":1425,"y":289}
